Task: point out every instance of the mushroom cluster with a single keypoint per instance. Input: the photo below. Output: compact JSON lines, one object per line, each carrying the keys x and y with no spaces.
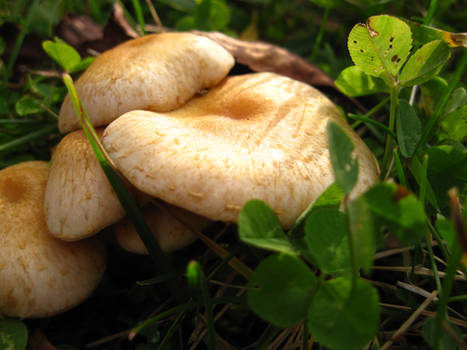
{"x":183,"y":133}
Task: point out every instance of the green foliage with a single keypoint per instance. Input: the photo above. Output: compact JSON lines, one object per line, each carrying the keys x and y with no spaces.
{"x":328,"y":3}
{"x":446,"y":342}
{"x":207,"y":15}
{"x":181,"y":5}
{"x":344,"y":316}
{"x":280,"y":289}
{"x":330,"y":198}
{"x":381,"y":46}
{"x":327,"y":239}
{"x":13,"y":335}
{"x":354,"y":82}
{"x":425,"y":63}
{"x":447,"y":232}
{"x":454,"y":118}
{"x":398,"y":210}
{"x":27,"y":105}
{"x":345,"y":166}
{"x":66,"y":56}
{"x":409,"y":129}
{"x":258,"y":225}
{"x":447,"y":168}
{"x":364,"y":234}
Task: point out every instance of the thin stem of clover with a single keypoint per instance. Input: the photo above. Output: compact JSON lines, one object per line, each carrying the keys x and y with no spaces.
{"x":394,"y":98}
{"x":352,"y":253}
{"x":363,"y":118}
{"x":426,"y":21}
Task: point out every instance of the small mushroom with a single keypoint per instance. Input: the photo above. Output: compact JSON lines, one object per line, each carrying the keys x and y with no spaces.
{"x":253,"y":136}
{"x":163,"y":220}
{"x":158,"y":72}
{"x":40,"y":275}
{"x":79,"y":200}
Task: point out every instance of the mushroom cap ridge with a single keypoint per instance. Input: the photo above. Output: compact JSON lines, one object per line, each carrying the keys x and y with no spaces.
{"x":158,"y":72}
{"x":39,"y":275}
{"x":253,"y":136}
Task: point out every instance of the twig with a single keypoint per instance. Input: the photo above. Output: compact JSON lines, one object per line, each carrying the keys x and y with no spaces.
{"x":228,"y":285}
{"x":154,"y":14}
{"x":108,"y":339}
{"x":456,"y":321}
{"x":423,"y":271}
{"x":414,"y":289}
{"x":406,"y":325}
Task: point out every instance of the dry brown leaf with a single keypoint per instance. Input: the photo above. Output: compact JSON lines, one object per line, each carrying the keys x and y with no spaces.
{"x":264,"y":57}
{"x":79,"y":29}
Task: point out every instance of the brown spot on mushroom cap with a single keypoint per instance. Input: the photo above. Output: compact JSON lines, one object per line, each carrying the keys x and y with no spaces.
{"x":40,"y":275}
{"x":79,"y":201}
{"x":11,"y":189}
{"x":158,"y":72}
{"x":216,"y":147}
{"x":163,"y":220}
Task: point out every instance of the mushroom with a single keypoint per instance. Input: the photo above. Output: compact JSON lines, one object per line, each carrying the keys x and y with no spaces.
{"x":253,"y":136}
{"x":157,"y":72}
{"x":79,"y":200}
{"x":170,"y":233}
{"x":40,"y":275}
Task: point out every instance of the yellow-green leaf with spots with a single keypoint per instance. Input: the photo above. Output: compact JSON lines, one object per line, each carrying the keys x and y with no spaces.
{"x":380,"y":46}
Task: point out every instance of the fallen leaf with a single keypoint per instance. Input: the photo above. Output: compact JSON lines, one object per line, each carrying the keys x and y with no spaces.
{"x":79,"y":29}
{"x":264,"y":57}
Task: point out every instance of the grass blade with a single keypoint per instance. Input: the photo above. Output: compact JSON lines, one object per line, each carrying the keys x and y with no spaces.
{"x":197,"y":281}
{"x":29,"y":137}
{"x":453,"y":263}
{"x":139,"y":16}
{"x":150,"y":321}
{"x":127,"y":201}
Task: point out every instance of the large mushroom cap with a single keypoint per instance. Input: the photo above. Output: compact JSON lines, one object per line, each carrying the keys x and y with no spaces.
{"x":79,"y":200}
{"x":254,"y":136}
{"x":39,"y":275}
{"x":158,"y":72}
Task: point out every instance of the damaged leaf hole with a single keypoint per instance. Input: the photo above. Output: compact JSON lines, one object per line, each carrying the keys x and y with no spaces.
{"x":396,"y":59}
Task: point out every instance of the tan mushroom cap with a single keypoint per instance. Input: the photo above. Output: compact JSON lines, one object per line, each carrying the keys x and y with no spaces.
{"x":157,"y":72}
{"x":253,"y":136}
{"x":169,"y":231}
{"x":79,"y":201}
{"x":39,"y":275}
